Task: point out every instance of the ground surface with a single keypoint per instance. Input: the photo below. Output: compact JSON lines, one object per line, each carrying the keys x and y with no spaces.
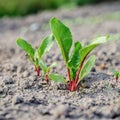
{"x":24,"y":96}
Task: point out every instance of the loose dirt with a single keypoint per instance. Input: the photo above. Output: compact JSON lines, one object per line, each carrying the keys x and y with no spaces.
{"x":24,"y":96}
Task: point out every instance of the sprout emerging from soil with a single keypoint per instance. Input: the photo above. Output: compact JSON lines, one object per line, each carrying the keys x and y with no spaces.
{"x":35,"y":55}
{"x":116,"y":74}
{"x":78,"y":63}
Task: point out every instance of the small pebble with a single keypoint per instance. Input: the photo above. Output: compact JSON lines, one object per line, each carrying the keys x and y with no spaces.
{"x":102,"y":66}
{"x":17,"y":99}
{"x":25,"y":74}
{"x":59,"y":111}
{"x":25,"y":85}
{"x":34,"y":27}
{"x":20,"y":69}
{"x":9,"y":81}
{"x":93,"y":69}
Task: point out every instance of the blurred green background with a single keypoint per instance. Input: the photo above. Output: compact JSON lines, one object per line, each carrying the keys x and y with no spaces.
{"x":24,"y":7}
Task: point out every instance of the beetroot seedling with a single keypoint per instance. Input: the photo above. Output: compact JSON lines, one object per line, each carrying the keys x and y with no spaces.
{"x":78,"y":63}
{"x":46,"y":69}
{"x":35,"y":55}
{"x":116,"y":74}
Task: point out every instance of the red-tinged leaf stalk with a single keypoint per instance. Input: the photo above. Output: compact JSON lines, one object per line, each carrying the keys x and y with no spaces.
{"x":77,"y":67}
{"x":37,"y":69}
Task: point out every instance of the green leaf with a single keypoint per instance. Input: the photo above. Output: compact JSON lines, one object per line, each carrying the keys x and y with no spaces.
{"x":43,"y":66}
{"x":74,"y":60}
{"x":46,"y":45}
{"x":63,"y":37}
{"x":36,"y":55}
{"x":24,"y":45}
{"x":86,"y":50}
{"x":36,"y":58}
{"x":100,"y":40}
{"x":117,"y":73}
{"x":57,"y":78}
{"x":54,"y":64}
{"x":73,"y":72}
{"x":36,"y":62}
{"x":87,"y":67}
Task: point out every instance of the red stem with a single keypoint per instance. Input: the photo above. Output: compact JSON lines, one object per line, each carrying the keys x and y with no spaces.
{"x":47,"y":78}
{"x":37,"y":69}
{"x":73,"y":84}
{"x":78,"y":73}
{"x":116,"y":79}
{"x":79,"y":70}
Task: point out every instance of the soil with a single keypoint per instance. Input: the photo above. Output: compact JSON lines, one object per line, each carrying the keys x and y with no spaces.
{"x":23,"y":95}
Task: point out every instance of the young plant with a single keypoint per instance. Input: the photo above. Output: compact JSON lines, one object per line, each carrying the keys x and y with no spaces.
{"x":116,"y":74}
{"x":35,"y":55}
{"x":46,"y":69}
{"x":78,"y":63}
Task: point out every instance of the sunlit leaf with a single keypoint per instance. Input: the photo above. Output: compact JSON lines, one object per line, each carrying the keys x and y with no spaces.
{"x":100,"y":40}
{"x":45,"y":45}
{"x":43,"y":66}
{"x":85,"y":51}
{"x":24,"y":45}
{"x":87,"y":67}
{"x":54,"y":64}
{"x":57,"y":78}
{"x":63,"y":37}
{"x":73,"y":72}
{"x":96,"y":42}
{"x":74,"y":60}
